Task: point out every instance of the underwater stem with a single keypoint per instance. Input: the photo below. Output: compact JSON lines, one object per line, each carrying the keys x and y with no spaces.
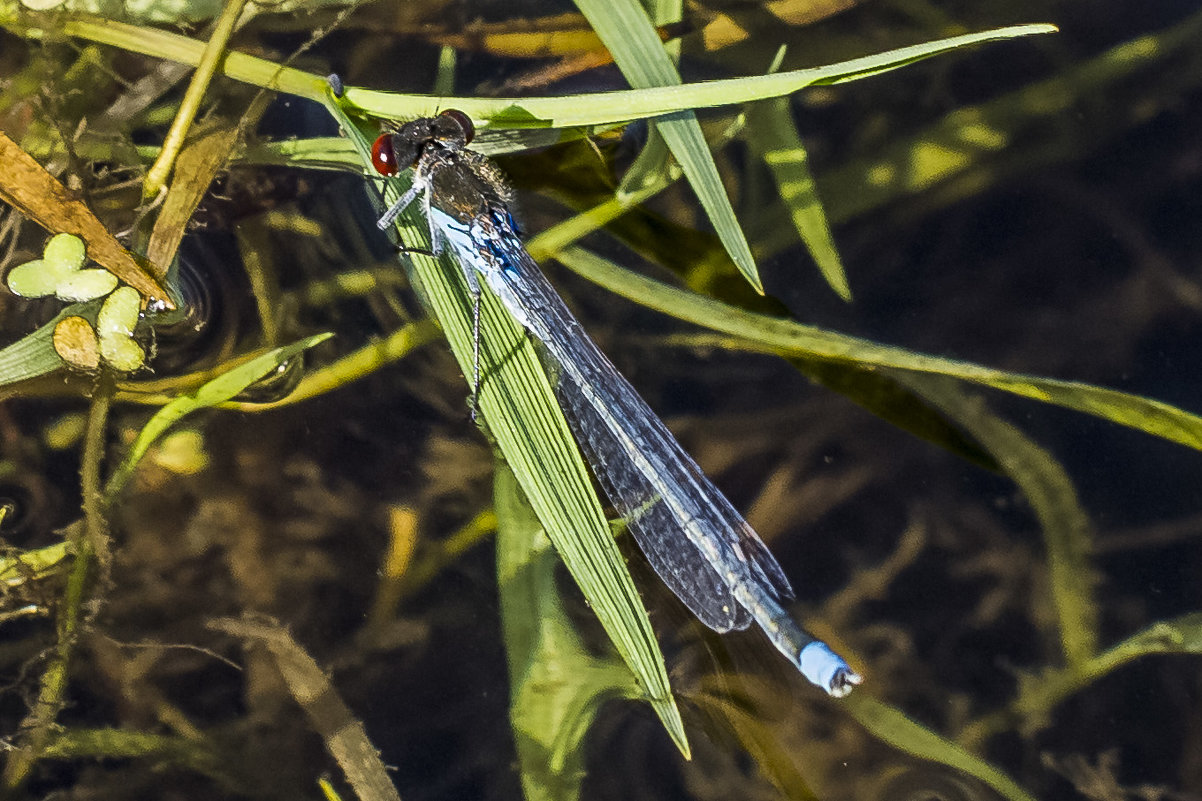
{"x":88,"y":540}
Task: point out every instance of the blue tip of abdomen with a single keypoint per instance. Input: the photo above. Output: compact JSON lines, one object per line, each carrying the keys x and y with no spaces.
{"x":824,"y":667}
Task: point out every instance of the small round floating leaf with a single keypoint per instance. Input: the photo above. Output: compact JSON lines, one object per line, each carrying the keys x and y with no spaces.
{"x":119,"y":314}
{"x":82,"y":285}
{"x":121,"y":352}
{"x":75,"y":342}
{"x":115,"y":326}
{"x":65,"y":251}
{"x":36,"y":279}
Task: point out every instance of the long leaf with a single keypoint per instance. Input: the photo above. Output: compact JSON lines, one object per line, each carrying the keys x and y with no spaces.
{"x":627,"y":32}
{"x":607,"y":108}
{"x":602,"y":108}
{"x":773,"y":136}
{"x":900,"y":731}
{"x":745,"y":330}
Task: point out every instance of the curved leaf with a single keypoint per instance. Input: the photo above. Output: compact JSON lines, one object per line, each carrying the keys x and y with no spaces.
{"x":218,"y":390}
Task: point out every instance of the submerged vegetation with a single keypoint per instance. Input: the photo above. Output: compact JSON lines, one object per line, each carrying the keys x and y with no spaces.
{"x":254,"y":546}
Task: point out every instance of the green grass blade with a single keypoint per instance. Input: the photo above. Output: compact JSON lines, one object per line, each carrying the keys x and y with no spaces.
{"x":603,"y":108}
{"x":774,"y":138}
{"x":608,"y":108}
{"x":529,"y":429}
{"x":556,"y":686}
{"x":218,"y":390}
{"x":627,"y":32}
{"x":893,"y":727}
{"x":749,"y":331}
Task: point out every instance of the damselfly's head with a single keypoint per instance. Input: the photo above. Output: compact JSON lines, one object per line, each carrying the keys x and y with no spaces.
{"x":401,"y":149}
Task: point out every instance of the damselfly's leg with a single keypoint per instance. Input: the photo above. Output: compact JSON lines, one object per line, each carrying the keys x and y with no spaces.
{"x":396,"y":208}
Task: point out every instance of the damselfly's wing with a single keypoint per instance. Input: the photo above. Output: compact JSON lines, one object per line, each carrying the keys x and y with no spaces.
{"x":692,"y":536}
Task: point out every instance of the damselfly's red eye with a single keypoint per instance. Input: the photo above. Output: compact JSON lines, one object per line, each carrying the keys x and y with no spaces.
{"x":383,"y":157}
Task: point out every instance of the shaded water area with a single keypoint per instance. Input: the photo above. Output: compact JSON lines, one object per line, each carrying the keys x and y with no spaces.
{"x":312,"y":573}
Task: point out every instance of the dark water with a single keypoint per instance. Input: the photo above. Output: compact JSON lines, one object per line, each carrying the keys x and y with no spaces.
{"x":1064,"y":244}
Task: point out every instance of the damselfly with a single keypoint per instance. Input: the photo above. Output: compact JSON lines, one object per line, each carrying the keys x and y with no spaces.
{"x":690,"y":533}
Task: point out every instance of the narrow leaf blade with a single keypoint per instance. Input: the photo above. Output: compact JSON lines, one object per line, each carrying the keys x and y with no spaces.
{"x":218,"y":390}
{"x":750,"y":331}
{"x":626,"y":30}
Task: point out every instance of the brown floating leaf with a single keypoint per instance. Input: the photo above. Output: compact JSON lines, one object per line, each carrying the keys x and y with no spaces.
{"x":75,"y":342}
{"x":27,"y":186}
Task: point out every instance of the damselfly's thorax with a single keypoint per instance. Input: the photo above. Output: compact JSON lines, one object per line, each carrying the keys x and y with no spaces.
{"x":460,"y":182}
